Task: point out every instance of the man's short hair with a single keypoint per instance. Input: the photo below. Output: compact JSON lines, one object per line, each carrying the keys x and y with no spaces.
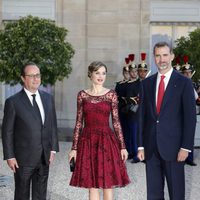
{"x":162,"y":44}
{"x":25,"y":66}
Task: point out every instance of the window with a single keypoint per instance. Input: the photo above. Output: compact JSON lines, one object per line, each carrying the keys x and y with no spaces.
{"x":169,"y":32}
{"x":14,"y":9}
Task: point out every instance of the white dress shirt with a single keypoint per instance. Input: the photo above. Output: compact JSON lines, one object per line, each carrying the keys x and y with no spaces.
{"x":166,"y":80}
{"x":38,"y":100}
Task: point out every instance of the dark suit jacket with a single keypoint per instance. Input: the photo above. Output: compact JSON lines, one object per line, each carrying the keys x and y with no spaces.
{"x":174,"y":127}
{"x":23,"y":136}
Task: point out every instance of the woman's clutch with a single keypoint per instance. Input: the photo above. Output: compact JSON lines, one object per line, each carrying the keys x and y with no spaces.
{"x":72,"y":164}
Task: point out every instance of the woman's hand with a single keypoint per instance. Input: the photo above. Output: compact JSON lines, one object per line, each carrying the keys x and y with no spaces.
{"x":124,"y":154}
{"x":72,"y":154}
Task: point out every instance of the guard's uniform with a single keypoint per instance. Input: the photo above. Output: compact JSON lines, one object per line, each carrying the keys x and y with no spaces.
{"x":188,"y":70}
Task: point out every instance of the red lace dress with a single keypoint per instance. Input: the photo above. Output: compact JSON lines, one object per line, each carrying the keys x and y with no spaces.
{"x":98,"y":163}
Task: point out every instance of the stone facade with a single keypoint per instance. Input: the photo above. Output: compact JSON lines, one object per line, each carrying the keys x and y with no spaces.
{"x":106,"y":30}
{"x":103,"y":30}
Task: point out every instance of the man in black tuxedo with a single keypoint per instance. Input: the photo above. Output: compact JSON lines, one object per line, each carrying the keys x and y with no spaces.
{"x":29,"y":135}
{"x":167,"y":120}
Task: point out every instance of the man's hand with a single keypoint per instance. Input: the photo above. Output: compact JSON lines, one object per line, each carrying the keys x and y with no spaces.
{"x":182,"y":155}
{"x":52,"y":157}
{"x":12,"y":163}
{"x":141,"y":155}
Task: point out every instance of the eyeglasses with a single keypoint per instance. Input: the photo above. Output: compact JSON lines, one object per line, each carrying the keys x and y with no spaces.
{"x":33,"y":75}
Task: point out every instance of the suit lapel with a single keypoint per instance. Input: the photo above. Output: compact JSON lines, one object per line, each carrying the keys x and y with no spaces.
{"x":26,"y":102}
{"x":44,"y":103}
{"x":24,"y":98}
{"x":153,"y":88}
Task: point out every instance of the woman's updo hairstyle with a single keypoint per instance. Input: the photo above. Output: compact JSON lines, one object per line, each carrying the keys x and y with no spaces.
{"x":94,"y":66}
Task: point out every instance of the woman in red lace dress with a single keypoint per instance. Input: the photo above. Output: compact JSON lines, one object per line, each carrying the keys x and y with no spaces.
{"x":100,"y":153}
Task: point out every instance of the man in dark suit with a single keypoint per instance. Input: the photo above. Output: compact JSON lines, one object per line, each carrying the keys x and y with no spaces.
{"x":29,"y":135}
{"x":167,"y":121}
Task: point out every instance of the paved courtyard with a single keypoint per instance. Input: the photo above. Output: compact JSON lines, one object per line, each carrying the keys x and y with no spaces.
{"x":59,"y":189}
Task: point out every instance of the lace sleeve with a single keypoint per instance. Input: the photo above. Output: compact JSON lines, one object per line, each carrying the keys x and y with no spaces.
{"x":79,"y":122}
{"x":116,"y":122}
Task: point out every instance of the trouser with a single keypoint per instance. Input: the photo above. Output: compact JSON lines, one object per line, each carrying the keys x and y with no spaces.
{"x":131,"y":142}
{"x":26,"y":175}
{"x":157,"y":170}
{"x":190,"y":156}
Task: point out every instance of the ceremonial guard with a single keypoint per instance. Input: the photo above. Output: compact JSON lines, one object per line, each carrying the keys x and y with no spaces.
{"x":177,"y":66}
{"x":120,"y":89}
{"x":143,"y":70}
{"x":188,"y":71}
{"x":132,"y":91}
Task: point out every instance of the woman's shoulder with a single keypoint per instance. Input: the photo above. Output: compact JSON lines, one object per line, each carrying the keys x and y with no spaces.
{"x":81,"y":93}
{"x":111,"y":93}
{"x":108,"y":90}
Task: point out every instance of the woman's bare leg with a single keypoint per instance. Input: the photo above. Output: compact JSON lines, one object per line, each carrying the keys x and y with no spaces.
{"x":94,"y":194}
{"x":107,"y":194}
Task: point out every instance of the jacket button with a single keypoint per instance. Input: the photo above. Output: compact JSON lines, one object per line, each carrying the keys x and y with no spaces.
{"x":157,"y":121}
